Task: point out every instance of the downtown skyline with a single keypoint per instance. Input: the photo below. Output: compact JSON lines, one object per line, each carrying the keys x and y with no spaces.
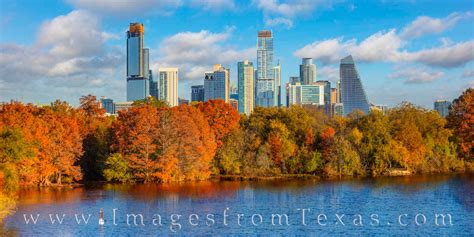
{"x":408,"y":55}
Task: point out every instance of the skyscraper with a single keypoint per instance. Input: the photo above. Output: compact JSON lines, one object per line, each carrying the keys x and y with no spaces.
{"x":217,"y":84}
{"x":108,"y":105}
{"x":265,"y":83}
{"x":138,"y":86}
{"x":168,"y":85}
{"x":245,"y":75}
{"x":308,"y":71}
{"x":153,"y":86}
{"x":277,"y":76}
{"x":352,"y":92}
{"x":326,"y":85}
{"x":197,"y":93}
{"x":442,"y":106}
{"x":293,"y":81}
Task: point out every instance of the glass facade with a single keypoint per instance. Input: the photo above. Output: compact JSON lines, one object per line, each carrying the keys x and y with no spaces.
{"x":353,"y":96}
{"x":137,"y":89}
{"x":308,"y":71}
{"x":299,"y":94}
{"x":246,"y":95}
{"x":108,"y":105}
{"x":197,"y":93}
{"x":217,"y":84}
{"x":265,"y":81}
{"x":138,"y":72}
{"x":442,"y":106}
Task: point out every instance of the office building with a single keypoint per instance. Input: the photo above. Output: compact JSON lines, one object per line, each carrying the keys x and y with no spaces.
{"x":299,"y":94}
{"x":246,"y":86}
{"x":234,"y":103}
{"x":334,"y":96}
{"x":353,"y":96}
{"x":108,"y":105}
{"x":327,"y":95}
{"x":138,"y":85}
{"x":217,"y":84}
{"x":153,"y":86}
{"x":197,"y":93}
{"x":265,"y":81}
{"x":337,"y":109}
{"x":122,"y":106}
{"x":277,"y":89}
{"x":308,"y":71}
{"x":168,"y":85}
{"x":293,"y":80}
{"x":183,"y":101}
{"x":442,"y":106}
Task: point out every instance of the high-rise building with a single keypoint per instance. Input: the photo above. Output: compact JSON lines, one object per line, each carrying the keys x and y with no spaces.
{"x":299,"y":94}
{"x":168,"y":85}
{"x":246,"y":86}
{"x":327,"y":95}
{"x":334,"y":97}
{"x":138,"y":85}
{"x":277,"y":76}
{"x":307,"y":71}
{"x":153,"y":86}
{"x":353,"y":96}
{"x":108,"y":105}
{"x":293,"y":80}
{"x":265,"y":81}
{"x":337,"y":109}
{"x":217,"y":84}
{"x":197,"y":93}
{"x":442,"y":106}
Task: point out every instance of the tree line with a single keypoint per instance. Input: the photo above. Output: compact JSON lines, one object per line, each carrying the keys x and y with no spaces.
{"x":151,"y":142}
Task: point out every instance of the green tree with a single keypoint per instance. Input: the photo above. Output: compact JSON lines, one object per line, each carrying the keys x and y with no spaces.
{"x":116,"y":169}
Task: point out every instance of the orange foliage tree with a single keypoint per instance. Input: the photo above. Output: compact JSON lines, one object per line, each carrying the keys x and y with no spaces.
{"x":461,"y":120}
{"x":222,"y":117}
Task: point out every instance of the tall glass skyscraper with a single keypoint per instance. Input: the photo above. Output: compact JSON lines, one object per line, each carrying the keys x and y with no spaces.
{"x":245,"y":75}
{"x":442,"y":106}
{"x":308,"y":71}
{"x":217,"y":84}
{"x":138,"y":72}
{"x":326,"y":85}
{"x":277,"y":76}
{"x":265,"y":83}
{"x":352,"y":92}
{"x":168,"y":85}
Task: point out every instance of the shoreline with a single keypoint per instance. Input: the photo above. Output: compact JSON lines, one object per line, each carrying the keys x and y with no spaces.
{"x":240,"y":178}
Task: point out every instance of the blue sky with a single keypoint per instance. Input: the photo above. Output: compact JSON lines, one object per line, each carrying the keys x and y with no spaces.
{"x":417,"y":51}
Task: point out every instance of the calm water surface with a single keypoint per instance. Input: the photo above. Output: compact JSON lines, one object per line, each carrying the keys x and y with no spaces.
{"x":384,"y":206}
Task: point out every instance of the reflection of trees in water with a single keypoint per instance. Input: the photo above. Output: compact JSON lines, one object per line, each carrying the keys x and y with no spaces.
{"x":204,"y":189}
{"x":462,"y":190}
{"x":7,"y":207}
{"x":51,"y":195}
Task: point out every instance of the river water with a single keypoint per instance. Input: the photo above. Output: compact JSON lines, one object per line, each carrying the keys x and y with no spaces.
{"x":417,"y":205}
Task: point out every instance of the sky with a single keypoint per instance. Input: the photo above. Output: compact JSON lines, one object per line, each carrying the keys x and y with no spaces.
{"x":405,"y":50}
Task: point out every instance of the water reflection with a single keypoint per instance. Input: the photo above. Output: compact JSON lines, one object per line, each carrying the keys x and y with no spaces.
{"x":386,"y":196}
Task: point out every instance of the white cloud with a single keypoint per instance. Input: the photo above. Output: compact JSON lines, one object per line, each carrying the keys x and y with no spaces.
{"x":70,"y":52}
{"x":195,"y":52}
{"x":415,"y":75}
{"x":387,"y":47}
{"x":329,"y":73}
{"x":424,"y":25}
{"x":284,"y":12}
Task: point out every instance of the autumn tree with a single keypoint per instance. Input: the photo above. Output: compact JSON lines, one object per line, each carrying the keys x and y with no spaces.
{"x":461,"y":121}
{"x":134,"y":134}
{"x":222,"y":117}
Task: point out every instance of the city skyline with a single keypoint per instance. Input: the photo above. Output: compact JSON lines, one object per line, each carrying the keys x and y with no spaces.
{"x":421,"y":53}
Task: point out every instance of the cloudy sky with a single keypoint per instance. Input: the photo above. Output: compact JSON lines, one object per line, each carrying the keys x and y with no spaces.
{"x":416,"y":51}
